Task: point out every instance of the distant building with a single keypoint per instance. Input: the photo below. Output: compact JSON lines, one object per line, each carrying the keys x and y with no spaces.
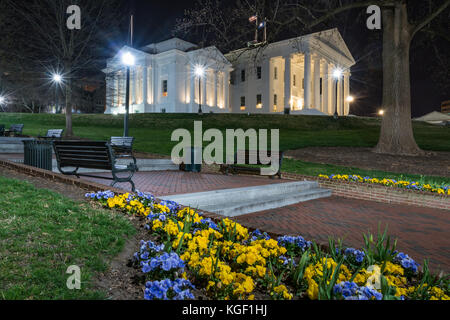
{"x":295,"y":74}
{"x":445,"y":107}
{"x":163,"y":79}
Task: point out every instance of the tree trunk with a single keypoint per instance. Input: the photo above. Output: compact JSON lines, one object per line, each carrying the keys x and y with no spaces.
{"x":67,"y":69}
{"x":396,"y":135}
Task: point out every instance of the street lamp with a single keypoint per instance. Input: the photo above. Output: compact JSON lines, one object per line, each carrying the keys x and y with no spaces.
{"x":337,"y":73}
{"x":128,"y":60}
{"x":199,"y":72}
{"x":350,"y":99}
{"x":381,"y":113}
{"x":2,"y":100}
{"x":57,"y":80}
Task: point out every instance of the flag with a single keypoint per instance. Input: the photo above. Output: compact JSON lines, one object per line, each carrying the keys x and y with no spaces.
{"x":262,"y":25}
{"x":253,"y":18}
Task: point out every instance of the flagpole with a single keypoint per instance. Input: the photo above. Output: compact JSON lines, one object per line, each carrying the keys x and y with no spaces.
{"x":256,"y":29}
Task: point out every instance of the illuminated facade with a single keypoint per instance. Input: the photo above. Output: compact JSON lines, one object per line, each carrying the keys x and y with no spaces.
{"x":163,"y":79}
{"x":295,"y":73}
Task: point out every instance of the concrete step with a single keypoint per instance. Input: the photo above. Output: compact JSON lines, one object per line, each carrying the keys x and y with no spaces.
{"x":239,"y":201}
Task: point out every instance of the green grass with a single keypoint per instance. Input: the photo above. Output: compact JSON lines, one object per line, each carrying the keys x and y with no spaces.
{"x":153,"y":132}
{"x":42,"y":233}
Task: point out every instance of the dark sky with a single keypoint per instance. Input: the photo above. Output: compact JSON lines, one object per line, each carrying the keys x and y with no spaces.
{"x":155,"y":19}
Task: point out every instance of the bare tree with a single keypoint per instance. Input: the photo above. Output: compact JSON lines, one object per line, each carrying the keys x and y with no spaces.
{"x":57,"y":48}
{"x":214,"y":20}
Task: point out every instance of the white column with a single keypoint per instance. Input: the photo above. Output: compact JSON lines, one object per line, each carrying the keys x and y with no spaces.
{"x":192,"y":90}
{"x":226,"y":90}
{"x":215,"y":72}
{"x":204,"y":83}
{"x":331,"y":88}
{"x":325,"y":77}
{"x":132,"y":86}
{"x":316,"y":90}
{"x":341,"y":96}
{"x":287,"y":82}
{"x":144,"y":86}
{"x":267,"y":94}
{"x":307,"y":77}
{"x":346,"y":93}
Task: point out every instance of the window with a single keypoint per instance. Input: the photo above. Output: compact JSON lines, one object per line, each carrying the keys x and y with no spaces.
{"x":258,"y":101}
{"x":243,"y":75}
{"x":275,"y":73}
{"x":303,"y":83}
{"x":242,"y":103}
{"x":275,"y":100}
{"x":164,"y":88}
{"x":232,"y":78}
{"x":295,"y":80}
{"x":258,"y":72}
{"x":320,"y":85}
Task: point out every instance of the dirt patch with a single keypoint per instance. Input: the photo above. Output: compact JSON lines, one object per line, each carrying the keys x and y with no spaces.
{"x":70,"y":191}
{"x":432,"y":163}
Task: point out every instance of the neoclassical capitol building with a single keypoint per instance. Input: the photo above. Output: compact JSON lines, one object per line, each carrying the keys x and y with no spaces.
{"x":299,"y":73}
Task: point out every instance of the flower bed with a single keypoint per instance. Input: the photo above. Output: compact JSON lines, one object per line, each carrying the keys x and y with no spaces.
{"x":409,"y":185}
{"x":188,"y":254}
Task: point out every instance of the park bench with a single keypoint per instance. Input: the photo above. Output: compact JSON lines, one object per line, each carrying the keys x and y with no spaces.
{"x":16,"y":129}
{"x":91,"y":155}
{"x":53,"y":134}
{"x":123,"y":148}
{"x":2,"y":130}
{"x":244,"y":155}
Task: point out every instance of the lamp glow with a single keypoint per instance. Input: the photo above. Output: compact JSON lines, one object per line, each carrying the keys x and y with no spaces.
{"x":337,"y":73}
{"x":350,"y":99}
{"x":199,"y":71}
{"x":381,"y":112}
{"x":128,"y":59}
{"x":2,"y":99}
{"x":57,"y":78}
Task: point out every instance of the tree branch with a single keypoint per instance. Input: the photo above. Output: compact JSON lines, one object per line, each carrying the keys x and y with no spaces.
{"x":430,"y":17}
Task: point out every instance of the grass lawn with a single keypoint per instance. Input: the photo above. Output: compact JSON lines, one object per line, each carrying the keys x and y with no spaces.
{"x":153,"y":133}
{"x":42,"y":233}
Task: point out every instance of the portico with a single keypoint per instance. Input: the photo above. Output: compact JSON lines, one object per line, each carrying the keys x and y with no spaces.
{"x":300,"y":75}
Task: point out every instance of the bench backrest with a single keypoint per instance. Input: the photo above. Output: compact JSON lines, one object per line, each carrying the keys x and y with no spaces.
{"x":84,"y":154}
{"x":2,"y":128}
{"x":122,"y":144}
{"x":247,"y":155}
{"x":16,"y":128}
{"x":54,"y":133}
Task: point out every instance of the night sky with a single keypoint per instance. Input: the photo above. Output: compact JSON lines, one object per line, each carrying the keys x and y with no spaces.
{"x":155,"y":19}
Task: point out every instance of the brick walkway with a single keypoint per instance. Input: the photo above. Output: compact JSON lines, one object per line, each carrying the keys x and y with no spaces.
{"x":421,"y":232}
{"x":164,"y":183}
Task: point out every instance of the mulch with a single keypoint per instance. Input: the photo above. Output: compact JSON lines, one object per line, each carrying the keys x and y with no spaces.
{"x":432,"y":163}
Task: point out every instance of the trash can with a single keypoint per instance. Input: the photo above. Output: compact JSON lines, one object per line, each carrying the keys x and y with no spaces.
{"x":195,"y":153}
{"x":38,"y":153}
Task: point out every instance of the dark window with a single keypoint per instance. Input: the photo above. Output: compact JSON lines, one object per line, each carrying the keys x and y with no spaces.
{"x":320,"y":85}
{"x":232,"y":77}
{"x":275,"y":99}
{"x":295,"y":80}
{"x":164,"y":88}
{"x":275,"y":73}
{"x":303,"y":83}
{"x":242,"y":101}
{"x":242,"y":75}
{"x":258,"y":72}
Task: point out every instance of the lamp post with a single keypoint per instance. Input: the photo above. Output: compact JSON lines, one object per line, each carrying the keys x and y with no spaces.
{"x":128,"y":60}
{"x":199,"y":72}
{"x":337,"y":73}
{"x":57,"y":80}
